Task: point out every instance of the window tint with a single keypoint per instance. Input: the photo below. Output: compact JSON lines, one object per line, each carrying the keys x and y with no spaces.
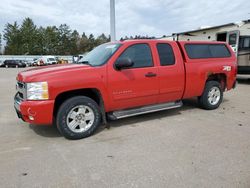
{"x":200,"y":51}
{"x":218,"y":51}
{"x":196,"y":51}
{"x":166,"y":54}
{"x":140,"y":54}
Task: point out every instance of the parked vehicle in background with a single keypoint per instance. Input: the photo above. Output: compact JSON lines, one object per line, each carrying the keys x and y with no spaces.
{"x":123,"y":79}
{"x":35,"y":62}
{"x":38,"y":62}
{"x":61,"y":61}
{"x":14,"y":63}
{"x":77,"y":58}
{"x":48,"y":60}
{"x":44,"y":60}
{"x":81,"y":56}
{"x":1,"y":64}
{"x":28,"y":63}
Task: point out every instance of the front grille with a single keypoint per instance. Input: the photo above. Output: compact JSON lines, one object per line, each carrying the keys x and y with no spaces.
{"x":21,"y":90}
{"x":20,"y":95}
{"x":20,"y":85}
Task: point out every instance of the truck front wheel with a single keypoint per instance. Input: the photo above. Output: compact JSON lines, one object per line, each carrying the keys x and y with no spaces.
{"x":78,"y":117}
{"x":212,"y":96}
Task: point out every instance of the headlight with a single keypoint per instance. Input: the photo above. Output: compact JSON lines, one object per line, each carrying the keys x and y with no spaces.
{"x":37,"y":91}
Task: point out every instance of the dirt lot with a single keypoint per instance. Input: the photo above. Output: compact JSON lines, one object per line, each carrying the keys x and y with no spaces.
{"x":185,"y":147}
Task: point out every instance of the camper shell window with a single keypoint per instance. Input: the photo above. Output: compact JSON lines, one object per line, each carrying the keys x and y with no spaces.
{"x":202,"y":51}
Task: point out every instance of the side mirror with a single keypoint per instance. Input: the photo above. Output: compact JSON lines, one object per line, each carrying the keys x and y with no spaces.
{"x":123,"y":63}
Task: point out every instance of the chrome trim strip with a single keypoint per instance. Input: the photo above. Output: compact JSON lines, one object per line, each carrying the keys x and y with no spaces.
{"x":22,"y":89}
{"x":17,"y":102}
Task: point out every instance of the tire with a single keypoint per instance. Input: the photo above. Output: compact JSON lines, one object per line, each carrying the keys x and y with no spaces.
{"x":78,"y":117}
{"x":212,"y":96}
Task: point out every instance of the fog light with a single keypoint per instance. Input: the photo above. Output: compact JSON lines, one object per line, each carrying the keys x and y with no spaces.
{"x":31,"y":118}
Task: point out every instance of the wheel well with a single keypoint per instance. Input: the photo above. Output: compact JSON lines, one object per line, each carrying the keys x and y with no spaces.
{"x":92,"y":93}
{"x":221,"y":78}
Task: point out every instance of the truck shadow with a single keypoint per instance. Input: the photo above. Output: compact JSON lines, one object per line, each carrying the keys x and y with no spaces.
{"x":51,"y":131}
{"x":132,"y":121}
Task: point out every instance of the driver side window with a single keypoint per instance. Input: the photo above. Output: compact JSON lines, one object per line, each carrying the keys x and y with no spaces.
{"x":140,"y":54}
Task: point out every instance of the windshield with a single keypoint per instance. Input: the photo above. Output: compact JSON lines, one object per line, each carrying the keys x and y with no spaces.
{"x":100,"y":54}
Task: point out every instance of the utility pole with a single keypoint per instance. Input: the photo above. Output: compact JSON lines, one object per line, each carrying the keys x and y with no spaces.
{"x":112,"y":20}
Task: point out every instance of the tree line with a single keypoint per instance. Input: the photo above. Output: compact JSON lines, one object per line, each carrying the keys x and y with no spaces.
{"x":28,"y":39}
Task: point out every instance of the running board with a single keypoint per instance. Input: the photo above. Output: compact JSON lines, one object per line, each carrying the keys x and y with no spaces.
{"x":143,"y":110}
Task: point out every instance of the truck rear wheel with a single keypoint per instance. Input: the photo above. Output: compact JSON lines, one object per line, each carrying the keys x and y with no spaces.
{"x":78,"y":117}
{"x":212,"y":96}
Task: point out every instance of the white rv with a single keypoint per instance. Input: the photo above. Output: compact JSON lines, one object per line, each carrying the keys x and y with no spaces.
{"x":236,"y":34}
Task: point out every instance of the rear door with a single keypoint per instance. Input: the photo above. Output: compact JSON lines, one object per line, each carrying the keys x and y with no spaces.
{"x":233,"y":40}
{"x":171,"y":72}
{"x":137,"y":85}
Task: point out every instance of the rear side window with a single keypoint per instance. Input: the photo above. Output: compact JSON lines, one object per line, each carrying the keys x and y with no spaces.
{"x":201,"y":51}
{"x":140,"y":54}
{"x":166,"y":54}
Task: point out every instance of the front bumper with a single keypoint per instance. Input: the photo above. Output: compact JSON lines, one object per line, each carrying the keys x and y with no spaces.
{"x":34,"y":112}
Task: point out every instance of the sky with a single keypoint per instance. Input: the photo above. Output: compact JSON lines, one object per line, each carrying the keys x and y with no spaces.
{"x":133,"y":17}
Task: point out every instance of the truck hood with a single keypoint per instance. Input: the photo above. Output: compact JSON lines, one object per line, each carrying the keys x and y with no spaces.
{"x":45,"y":73}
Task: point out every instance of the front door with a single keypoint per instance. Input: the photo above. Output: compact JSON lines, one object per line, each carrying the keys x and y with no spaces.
{"x":135,"y":86}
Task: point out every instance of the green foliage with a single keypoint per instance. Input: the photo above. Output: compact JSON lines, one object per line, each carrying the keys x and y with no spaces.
{"x":28,"y":39}
{"x":13,"y":39}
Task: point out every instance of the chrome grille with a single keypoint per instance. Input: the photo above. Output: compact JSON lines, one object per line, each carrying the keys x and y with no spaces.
{"x":20,"y":95}
{"x":20,"y":86}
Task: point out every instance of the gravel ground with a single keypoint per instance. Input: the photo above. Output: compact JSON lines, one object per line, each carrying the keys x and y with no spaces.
{"x":185,"y":147}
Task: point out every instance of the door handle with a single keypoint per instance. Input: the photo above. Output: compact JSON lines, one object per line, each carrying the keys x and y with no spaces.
{"x":150,"y":74}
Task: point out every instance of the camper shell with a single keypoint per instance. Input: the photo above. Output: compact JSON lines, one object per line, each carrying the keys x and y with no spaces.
{"x":236,"y":34}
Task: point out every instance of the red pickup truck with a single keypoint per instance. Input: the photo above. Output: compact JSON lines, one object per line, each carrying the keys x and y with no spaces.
{"x":122,"y":79}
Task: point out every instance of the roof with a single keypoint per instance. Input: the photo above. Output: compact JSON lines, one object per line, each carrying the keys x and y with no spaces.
{"x":202,"y":42}
{"x":136,"y":40}
{"x":209,"y":28}
{"x":140,"y":41}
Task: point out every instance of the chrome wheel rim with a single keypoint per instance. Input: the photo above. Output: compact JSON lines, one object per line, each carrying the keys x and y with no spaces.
{"x":80,"y":118}
{"x":214,"y":95}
